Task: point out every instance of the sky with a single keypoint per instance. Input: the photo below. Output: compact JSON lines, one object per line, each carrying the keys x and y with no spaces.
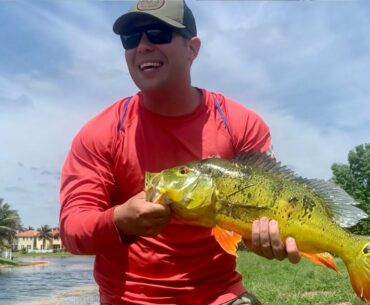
{"x":304,"y":66}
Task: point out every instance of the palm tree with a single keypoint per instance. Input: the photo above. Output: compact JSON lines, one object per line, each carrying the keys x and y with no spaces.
{"x":45,"y":234}
{"x":9,"y":224}
{"x":29,"y":228}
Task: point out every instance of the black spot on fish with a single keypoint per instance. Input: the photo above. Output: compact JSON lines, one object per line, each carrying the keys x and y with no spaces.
{"x":308,"y":205}
{"x":293,"y":200}
{"x":366,"y":249}
{"x":276,"y":189}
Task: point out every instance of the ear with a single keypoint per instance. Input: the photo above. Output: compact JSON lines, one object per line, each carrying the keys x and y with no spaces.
{"x":194,"y":47}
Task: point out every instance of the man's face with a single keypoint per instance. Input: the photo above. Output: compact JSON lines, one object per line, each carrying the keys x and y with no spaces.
{"x":156,"y":67}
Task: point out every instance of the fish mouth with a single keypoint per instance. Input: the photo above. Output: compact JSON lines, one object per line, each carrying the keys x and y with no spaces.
{"x":152,"y":192}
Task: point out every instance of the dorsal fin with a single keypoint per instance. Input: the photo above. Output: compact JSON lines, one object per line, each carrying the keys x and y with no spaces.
{"x":257,"y":160}
{"x":341,"y":206}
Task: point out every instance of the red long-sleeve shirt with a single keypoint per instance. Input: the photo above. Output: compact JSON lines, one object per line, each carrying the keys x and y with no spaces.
{"x":183,"y":265}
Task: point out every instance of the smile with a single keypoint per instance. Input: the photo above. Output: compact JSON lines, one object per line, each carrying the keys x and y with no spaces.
{"x":150,"y":65}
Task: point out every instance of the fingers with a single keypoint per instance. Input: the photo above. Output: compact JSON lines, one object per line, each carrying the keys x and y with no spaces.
{"x":156,"y":210}
{"x":141,"y":218}
{"x":153,"y":217}
{"x":266,"y":241}
{"x":277,"y":245}
{"x":292,"y":250}
{"x":154,"y":221}
{"x":150,"y":209}
{"x":261,"y":238}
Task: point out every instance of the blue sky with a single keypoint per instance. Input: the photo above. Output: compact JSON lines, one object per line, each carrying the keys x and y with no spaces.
{"x":304,"y":66}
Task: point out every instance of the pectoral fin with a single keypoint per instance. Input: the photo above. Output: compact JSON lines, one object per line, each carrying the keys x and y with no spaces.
{"x":228,"y":240}
{"x":321,"y":259}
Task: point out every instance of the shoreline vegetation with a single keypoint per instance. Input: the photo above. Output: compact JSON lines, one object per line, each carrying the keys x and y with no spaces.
{"x":17,"y":259}
{"x":34,"y":254}
{"x":12,"y":263}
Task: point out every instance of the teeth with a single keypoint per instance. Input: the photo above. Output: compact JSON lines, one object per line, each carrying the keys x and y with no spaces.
{"x":149,"y":65}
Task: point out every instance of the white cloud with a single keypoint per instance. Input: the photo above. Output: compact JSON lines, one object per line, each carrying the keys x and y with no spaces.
{"x":308,"y":149}
{"x":297,"y":66}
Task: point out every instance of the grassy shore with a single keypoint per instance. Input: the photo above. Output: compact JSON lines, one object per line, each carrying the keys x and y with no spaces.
{"x":277,"y":282}
{"x":19,"y":255}
{"x":32,"y":254}
{"x":11,"y":263}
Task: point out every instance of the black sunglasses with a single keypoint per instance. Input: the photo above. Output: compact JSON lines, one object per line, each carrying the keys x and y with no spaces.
{"x":155,"y":34}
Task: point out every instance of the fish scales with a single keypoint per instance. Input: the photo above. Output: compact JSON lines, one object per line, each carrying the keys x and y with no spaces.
{"x":257,"y":194}
{"x":232,"y":194}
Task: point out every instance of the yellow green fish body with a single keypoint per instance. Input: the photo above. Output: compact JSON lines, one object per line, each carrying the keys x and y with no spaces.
{"x":232,"y":194}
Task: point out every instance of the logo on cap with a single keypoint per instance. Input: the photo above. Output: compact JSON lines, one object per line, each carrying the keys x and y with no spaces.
{"x":147,"y":5}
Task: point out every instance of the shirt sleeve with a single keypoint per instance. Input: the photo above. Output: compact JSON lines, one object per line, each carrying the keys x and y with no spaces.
{"x":87,"y":185}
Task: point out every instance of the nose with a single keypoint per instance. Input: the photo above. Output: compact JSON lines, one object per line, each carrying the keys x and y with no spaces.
{"x":144,"y":44}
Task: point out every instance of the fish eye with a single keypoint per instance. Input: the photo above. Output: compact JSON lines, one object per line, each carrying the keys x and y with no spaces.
{"x":184,"y":170}
{"x":366,"y":249}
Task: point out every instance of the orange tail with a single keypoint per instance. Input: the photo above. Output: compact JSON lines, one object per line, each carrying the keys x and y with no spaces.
{"x":359,"y":272}
{"x":360,"y":280}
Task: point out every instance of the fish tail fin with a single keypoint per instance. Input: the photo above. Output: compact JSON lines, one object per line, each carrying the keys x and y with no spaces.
{"x":359,"y":272}
{"x":321,"y":259}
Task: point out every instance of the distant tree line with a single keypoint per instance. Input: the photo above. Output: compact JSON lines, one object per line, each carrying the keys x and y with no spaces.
{"x":354,"y":178}
{"x":10,"y":223}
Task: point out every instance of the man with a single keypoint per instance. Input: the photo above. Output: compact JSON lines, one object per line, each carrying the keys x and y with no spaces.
{"x":143,"y":256}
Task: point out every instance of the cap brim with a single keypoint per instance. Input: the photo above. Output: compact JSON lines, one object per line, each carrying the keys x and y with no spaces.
{"x":123,"y":22}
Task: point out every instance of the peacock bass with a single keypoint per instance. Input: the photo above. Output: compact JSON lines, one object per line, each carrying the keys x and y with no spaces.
{"x":228,"y":195}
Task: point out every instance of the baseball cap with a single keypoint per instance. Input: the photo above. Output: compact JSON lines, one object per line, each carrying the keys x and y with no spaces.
{"x":172,"y":12}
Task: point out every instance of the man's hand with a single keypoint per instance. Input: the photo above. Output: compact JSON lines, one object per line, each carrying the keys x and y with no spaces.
{"x":266,"y":241}
{"x":141,"y":218}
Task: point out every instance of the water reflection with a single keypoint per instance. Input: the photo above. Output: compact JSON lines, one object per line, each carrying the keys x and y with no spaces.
{"x":24,"y":285}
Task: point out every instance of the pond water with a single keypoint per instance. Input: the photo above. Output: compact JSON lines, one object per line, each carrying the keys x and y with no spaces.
{"x":64,"y":280}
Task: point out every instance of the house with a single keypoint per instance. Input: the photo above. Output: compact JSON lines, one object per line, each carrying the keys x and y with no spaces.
{"x":26,"y":240}
{"x":57,"y":242}
{"x":31,"y":242}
